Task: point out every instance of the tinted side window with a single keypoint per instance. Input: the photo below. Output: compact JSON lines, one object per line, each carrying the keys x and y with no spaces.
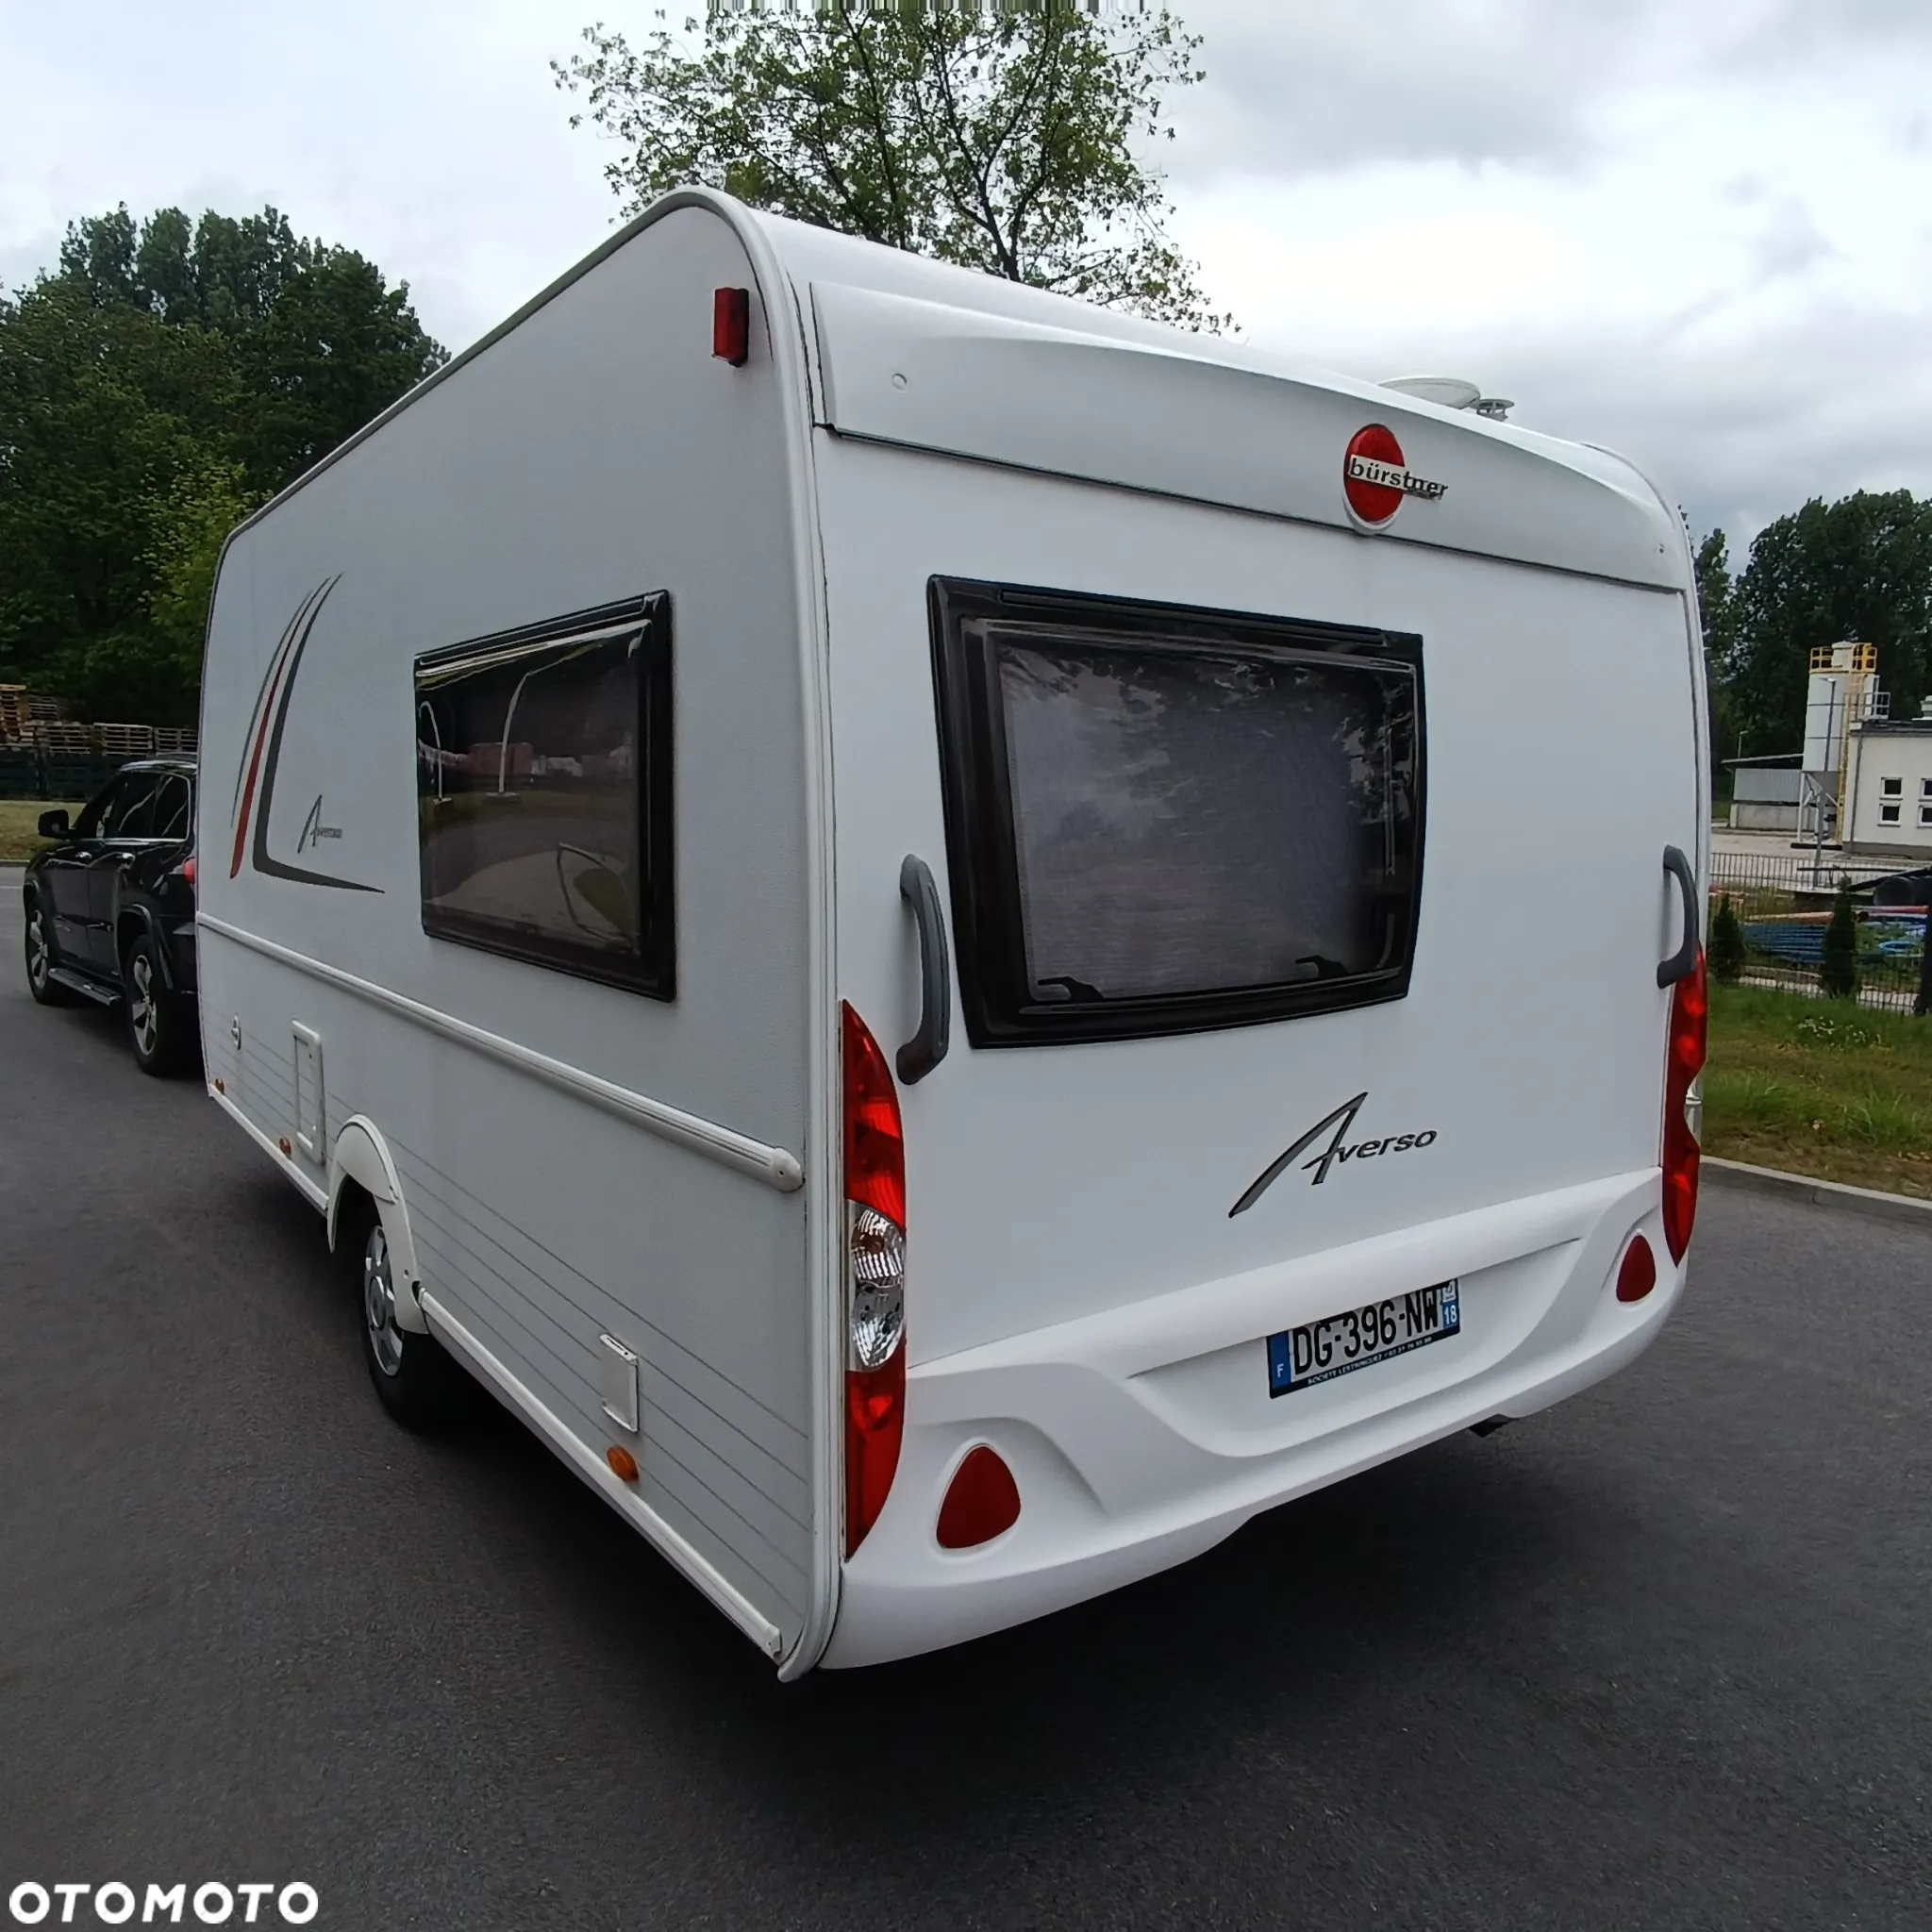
{"x":173,"y":810}
{"x":544,"y":794}
{"x":128,"y":809}
{"x":1162,"y":820}
{"x":99,"y":809}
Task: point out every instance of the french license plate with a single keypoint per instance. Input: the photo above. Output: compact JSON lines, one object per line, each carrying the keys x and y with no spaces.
{"x":1320,"y":1351}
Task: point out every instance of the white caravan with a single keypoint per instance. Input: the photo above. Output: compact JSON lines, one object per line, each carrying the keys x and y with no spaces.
{"x":956,"y":940}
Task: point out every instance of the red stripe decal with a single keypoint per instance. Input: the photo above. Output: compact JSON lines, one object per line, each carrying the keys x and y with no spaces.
{"x":268,"y":711}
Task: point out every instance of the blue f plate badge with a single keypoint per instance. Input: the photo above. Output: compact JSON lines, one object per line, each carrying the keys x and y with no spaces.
{"x":1376,"y":1332}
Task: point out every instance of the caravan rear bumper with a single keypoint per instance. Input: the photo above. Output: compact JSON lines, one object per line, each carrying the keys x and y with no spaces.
{"x":1144,"y":1435}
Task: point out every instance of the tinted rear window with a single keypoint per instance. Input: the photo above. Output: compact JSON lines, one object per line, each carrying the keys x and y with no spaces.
{"x":1165,"y":820}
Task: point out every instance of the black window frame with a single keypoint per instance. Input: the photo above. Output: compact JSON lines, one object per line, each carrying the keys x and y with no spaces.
{"x":981,"y":851}
{"x":652,"y":970}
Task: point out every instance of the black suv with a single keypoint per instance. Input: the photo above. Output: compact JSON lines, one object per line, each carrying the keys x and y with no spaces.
{"x":111,"y":909}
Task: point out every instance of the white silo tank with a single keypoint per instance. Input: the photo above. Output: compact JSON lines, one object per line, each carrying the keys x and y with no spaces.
{"x":1825,"y":719}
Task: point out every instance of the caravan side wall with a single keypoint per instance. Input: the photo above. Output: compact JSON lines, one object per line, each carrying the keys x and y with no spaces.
{"x":596,"y":453}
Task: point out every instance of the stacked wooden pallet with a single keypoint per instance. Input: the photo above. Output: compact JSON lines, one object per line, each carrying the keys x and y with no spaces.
{"x":125,"y":741}
{"x":15,"y":714}
{"x":175,"y":740}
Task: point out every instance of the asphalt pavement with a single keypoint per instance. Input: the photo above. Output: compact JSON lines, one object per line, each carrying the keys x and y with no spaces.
{"x":1659,"y":1657}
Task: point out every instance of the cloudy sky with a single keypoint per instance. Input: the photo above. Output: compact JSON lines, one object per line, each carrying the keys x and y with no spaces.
{"x":1700,"y":233}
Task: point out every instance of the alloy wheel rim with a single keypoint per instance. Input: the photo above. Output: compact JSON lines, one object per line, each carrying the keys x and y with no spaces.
{"x":141,"y":1010}
{"x":36,"y":950}
{"x":379,"y":1305}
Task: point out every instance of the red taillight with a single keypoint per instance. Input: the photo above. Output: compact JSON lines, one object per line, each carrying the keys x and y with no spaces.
{"x":731,"y":325}
{"x":1638,"y":1275}
{"x":874,"y":1280}
{"x":188,"y":869}
{"x":982,"y":1502}
{"x":1689,"y":1008}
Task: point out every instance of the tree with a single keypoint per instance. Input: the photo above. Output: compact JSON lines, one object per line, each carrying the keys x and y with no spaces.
{"x":1859,"y":569}
{"x":158,"y":385}
{"x":217,"y":272}
{"x":1716,"y":616}
{"x":1003,"y":140}
{"x":1838,"y":967}
{"x":322,"y":342}
{"x":1726,"y":943}
{"x":188,"y":523}
{"x":100,"y":409}
{"x":336,"y":347}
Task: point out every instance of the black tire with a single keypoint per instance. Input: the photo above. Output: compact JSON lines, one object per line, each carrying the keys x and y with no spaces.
{"x":160,"y":1024}
{"x":47,"y":991}
{"x":416,"y":1381}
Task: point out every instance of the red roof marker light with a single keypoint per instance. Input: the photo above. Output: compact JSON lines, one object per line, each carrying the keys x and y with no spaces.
{"x":731,"y":325}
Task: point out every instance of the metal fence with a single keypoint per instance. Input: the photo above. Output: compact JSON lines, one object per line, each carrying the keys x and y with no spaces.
{"x":53,"y":759}
{"x":1783,"y":904}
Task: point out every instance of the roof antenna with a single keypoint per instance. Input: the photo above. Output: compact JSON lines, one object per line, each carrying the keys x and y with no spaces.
{"x":1452,"y":393}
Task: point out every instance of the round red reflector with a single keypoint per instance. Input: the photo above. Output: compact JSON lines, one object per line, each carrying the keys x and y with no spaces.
{"x":1371,"y":450}
{"x":1638,"y":1275}
{"x":982,"y":1503}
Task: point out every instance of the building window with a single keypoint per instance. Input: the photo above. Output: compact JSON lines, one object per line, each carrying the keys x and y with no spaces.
{"x":1924,"y":814}
{"x":1160,"y":819}
{"x":1891,"y":788}
{"x":544,"y":794}
{"x":1925,"y":788}
{"x":1888,"y":814}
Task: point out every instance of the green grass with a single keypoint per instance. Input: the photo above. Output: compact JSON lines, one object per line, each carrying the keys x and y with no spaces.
{"x":19,"y":841}
{"x":1819,"y":1087}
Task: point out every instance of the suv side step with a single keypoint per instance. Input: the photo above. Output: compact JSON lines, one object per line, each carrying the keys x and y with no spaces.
{"x":78,"y":982}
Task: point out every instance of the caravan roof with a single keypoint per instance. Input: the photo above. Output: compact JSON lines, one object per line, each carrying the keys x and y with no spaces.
{"x":904,"y":350}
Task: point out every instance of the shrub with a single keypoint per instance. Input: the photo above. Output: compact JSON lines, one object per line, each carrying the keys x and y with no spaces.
{"x":1726,"y":943}
{"x":1837,"y":969}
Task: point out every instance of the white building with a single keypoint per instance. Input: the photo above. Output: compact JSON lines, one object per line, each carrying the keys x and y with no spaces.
{"x":1889,"y":788}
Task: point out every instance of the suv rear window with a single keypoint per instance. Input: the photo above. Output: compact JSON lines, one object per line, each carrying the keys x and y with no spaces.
{"x":1160,"y":819}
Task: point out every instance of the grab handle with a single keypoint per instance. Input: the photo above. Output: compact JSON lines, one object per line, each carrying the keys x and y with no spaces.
{"x":927,"y":1047}
{"x":1683,"y":962}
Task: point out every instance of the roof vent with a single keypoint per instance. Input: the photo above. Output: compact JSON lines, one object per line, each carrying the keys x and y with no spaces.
{"x":1452,"y":392}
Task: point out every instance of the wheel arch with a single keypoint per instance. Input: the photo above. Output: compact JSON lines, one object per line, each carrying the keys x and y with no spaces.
{"x":360,"y":1158}
{"x":138,"y":921}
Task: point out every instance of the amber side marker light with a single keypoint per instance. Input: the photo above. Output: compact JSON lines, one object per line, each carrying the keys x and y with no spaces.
{"x":1638,"y":1275}
{"x":285,"y":1147}
{"x":220,"y":1085}
{"x":982,"y":1502}
{"x":623,"y":1462}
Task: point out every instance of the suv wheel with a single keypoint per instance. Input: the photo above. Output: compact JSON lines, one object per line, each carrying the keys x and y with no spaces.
{"x":158,"y":1020}
{"x":418,"y":1383}
{"x":40,"y":959}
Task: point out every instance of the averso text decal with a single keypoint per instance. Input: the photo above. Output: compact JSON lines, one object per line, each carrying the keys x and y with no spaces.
{"x":1338,"y":1152}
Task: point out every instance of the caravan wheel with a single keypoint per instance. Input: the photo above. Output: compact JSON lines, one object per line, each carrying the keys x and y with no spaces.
{"x":418,"y":1383}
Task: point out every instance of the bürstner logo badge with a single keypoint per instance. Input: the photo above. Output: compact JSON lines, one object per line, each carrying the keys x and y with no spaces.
{"x":1376,"y":480}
